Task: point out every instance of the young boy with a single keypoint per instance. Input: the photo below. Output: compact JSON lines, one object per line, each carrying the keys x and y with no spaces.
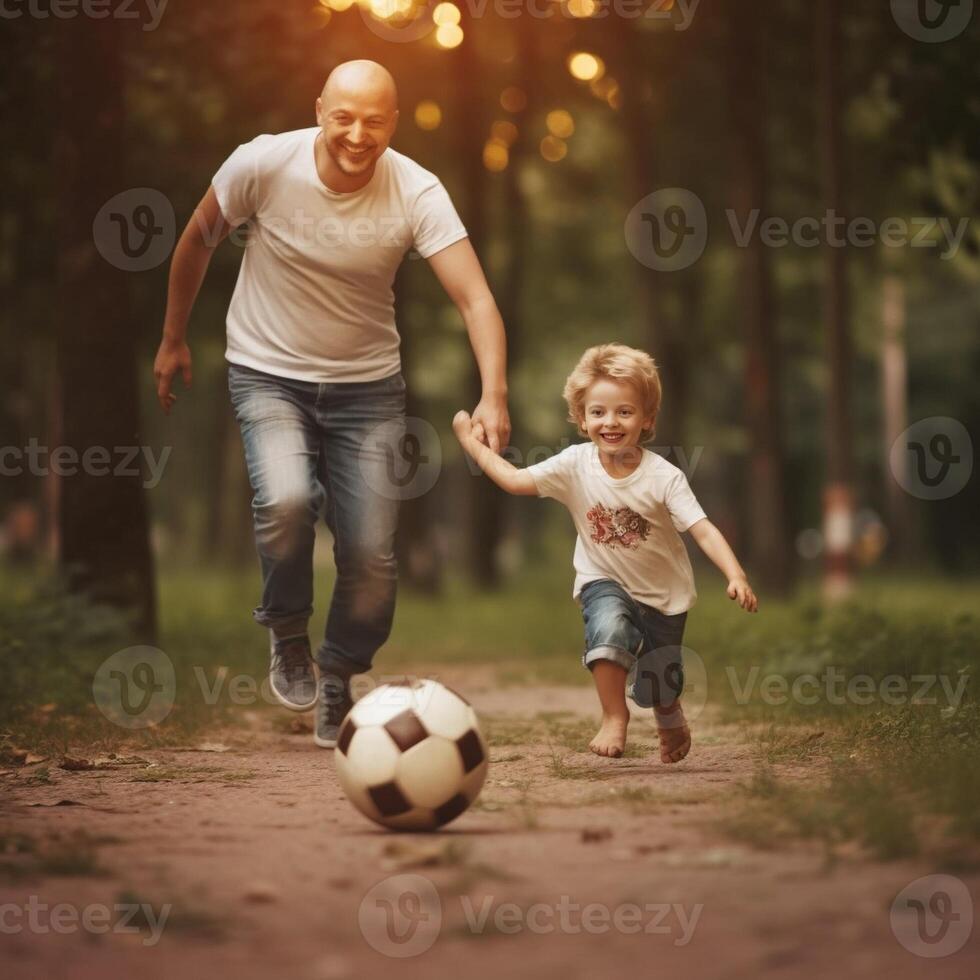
{"x":633,"y":578}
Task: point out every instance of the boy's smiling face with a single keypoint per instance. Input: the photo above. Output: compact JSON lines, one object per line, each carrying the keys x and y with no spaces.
{"x":614,"y":418}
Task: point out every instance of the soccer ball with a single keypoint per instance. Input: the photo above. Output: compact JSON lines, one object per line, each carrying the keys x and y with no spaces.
{"x":411,"y":756}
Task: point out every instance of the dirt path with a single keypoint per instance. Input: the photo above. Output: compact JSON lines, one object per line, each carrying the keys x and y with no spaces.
{"x":265,"y":866}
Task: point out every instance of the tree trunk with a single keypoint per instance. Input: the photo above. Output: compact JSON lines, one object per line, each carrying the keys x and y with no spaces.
{"x":768,"y":539}
{"x":894,"y":410}
{"x":838,"y":490}
{"x":104,"y":545}
{"x":485,"y":502}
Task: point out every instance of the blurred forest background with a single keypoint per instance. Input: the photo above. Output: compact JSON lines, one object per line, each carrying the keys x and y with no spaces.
{"x":788,"y":372}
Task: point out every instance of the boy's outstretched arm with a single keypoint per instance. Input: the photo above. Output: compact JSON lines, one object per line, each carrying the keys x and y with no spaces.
{"x":507,"y":476}
{"x":712,"y":542}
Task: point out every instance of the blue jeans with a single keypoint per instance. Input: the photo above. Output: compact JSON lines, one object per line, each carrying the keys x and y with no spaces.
{"x":324,"y":448}
{"x":642,"y":640}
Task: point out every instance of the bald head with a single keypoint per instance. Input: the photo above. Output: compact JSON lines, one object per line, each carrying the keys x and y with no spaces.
{"x":357,"y":112}
{"x":362,"y":80}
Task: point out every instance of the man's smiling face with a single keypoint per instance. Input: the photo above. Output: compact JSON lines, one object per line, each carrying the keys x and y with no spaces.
{"x":358,"y":123}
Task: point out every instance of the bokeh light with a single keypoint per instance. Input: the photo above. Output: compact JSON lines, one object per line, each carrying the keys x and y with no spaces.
{"x":560,"y":123}
{"x":495,"y":155}
{"x":585,"y":67}
{"x":504,"y":131}
{"x":513,"y":99}
{"x":553,"y":149}
{"x":428,"y":115}
{"x":446,"y":13}
{"x":449,"y":35}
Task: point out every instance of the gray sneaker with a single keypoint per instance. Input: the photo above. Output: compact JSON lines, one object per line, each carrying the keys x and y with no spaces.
{"x":332,"y":707}
{"x":291,"y":673}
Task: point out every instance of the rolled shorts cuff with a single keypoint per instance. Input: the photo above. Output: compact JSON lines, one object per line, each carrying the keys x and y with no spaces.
{"x":617,"y":655}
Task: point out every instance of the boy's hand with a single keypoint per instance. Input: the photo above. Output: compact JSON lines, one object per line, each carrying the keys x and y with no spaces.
{"x":463,"y":427}
{"x":739,"y":588}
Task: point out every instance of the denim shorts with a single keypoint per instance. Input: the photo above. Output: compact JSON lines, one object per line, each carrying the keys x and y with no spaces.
{"x":642,"y":640}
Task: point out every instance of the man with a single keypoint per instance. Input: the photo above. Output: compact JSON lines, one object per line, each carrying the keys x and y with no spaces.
{"x":314,"y":369}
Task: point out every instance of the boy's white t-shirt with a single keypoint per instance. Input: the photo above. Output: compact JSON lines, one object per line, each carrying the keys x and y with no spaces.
{"x":314,"y":298}
{"x":628,"y":529}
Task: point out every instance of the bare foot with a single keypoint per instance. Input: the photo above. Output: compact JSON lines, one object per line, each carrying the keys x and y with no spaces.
{"x":610,"y":740}
{"x":675,"y":736}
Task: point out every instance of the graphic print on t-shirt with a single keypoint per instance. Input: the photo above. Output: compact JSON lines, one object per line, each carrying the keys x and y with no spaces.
{"x":621,"y":527}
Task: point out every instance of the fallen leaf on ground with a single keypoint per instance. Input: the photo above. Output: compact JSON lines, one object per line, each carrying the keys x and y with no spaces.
{"x":591,"y":835}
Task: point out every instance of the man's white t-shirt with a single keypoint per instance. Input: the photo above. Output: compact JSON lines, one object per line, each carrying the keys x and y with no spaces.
{"x":628,"y":529}
{"x":314,"y":298}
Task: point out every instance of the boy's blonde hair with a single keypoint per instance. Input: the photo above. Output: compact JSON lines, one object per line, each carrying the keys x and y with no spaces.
{"x":619,"y":363}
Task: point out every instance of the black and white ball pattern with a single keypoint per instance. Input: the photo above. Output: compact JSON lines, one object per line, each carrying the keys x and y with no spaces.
{"x":411,"y":756}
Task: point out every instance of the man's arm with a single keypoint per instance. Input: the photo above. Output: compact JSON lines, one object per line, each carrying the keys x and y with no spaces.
{"x":458,"y":269}
{"x":204,"y":232}
{"x":712,"y":542}
{"x":507,"y":476}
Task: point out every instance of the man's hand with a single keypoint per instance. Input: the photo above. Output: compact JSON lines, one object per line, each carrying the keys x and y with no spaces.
{"x":491,"y":423}
{"x":739,"y":588}
{"x":173,"y":356}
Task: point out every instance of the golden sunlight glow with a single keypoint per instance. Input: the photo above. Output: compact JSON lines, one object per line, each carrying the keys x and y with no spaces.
{"x":446,"y":13}
{"x":513,"y":99}
{"x":503,"y":131}
{"x":383,"y":9}
{"x":428,"y":115}
{"x":560,"y":123}
{"x":585,"y":67}
{"x":495,"y":155}
{"x":449,"y":35}
{"x":582,"y":8}
{"x":338,"y":5}
{"x":553,"y":149}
